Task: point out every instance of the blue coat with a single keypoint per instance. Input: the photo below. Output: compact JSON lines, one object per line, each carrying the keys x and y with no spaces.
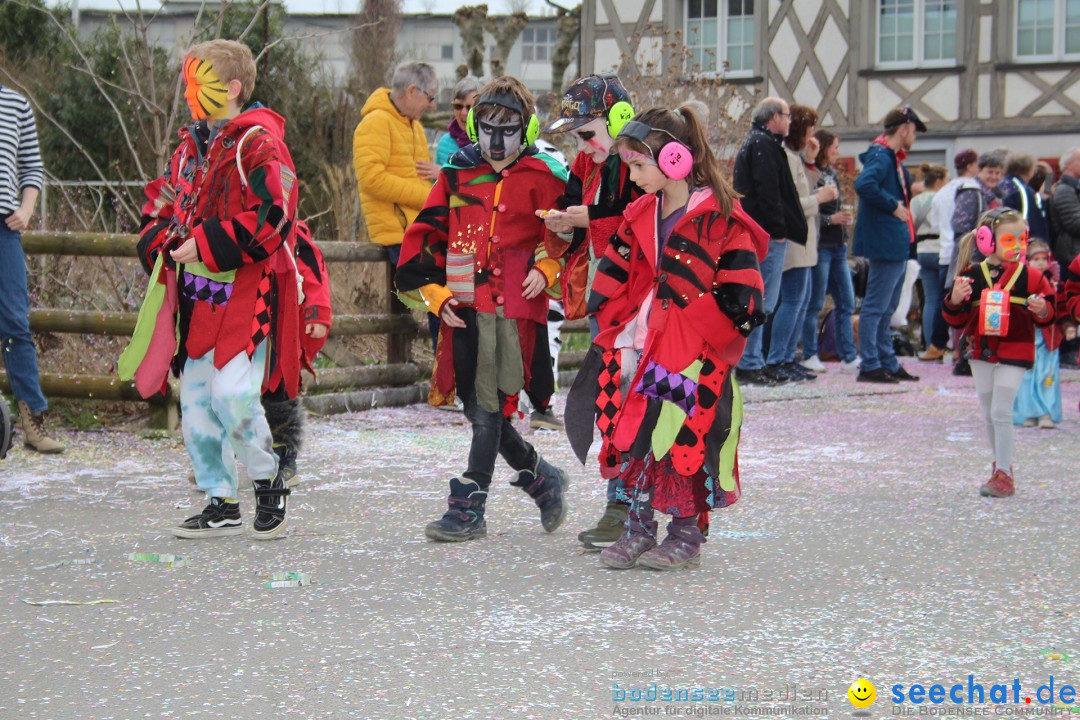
{"x":880,"y":235}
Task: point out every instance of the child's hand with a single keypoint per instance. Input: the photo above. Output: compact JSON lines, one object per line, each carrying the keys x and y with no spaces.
{"x":961,"y":291}
{"x":1037,"y":305}
{"x":316,"y":331}
{"x":448,"y":316}
{"x":534,"y":284}
{"x":188,"y":252}
{"x":1070,"y":332}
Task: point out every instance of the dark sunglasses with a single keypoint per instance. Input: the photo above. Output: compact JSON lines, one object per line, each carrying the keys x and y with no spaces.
{"x":462,"y":106}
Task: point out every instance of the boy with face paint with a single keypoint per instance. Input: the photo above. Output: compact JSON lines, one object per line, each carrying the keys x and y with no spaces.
{"x":212,"y":228}
{"x":587,"y":215}
{"x":475,"y":256}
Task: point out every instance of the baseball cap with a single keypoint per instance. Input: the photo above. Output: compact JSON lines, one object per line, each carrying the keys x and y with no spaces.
{"x":900,"y":116}
{"x":588,"y":98}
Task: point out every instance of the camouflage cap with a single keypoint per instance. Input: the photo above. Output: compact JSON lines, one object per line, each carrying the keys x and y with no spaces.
{"x":587,"y":99}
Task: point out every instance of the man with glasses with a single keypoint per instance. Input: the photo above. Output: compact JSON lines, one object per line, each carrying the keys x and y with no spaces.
{"x":390,"y":155}
{"x":763,"y":178}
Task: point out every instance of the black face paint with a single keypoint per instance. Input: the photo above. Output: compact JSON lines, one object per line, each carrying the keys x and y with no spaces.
{"x":497,"y":142}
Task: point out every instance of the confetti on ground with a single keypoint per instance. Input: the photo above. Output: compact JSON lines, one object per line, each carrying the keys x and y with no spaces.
{"x":860,"y":548}
{"x":67,"y":563}
{"x":173,"y":561}
{"x":51,"y":603}
{"x":288,"y":579}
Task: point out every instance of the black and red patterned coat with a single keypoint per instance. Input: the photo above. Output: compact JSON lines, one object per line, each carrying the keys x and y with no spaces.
{"x":239,"y":213}
{"x":1017,"y":347}
{"x":688,"y":313}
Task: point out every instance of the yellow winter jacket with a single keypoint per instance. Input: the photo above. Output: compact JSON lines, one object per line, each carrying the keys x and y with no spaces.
{"x":386,"y":147}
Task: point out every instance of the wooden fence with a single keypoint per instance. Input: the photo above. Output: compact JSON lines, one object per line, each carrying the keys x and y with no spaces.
{"x":399,"y":381}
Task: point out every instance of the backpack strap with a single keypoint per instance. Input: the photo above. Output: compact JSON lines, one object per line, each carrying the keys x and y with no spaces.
{"x":239,"y":147}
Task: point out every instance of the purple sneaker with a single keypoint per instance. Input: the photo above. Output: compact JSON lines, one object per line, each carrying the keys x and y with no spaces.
{"x":681,"y":548}
{"x":624,"y":553}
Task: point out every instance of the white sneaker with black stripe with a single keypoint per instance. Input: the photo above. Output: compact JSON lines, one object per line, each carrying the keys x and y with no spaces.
{"x":218,"y":519}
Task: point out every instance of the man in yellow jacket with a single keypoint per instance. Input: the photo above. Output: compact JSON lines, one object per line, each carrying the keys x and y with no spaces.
{"x":390,"y":154}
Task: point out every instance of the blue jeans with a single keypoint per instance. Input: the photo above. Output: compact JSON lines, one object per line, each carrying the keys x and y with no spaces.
{"x":20,"y":355}
{"x":788,"y":321}
{"x":832,"y":275}
{"x":772,"y":269}
{"x":933,"y":276}
{"x":883,"y":288}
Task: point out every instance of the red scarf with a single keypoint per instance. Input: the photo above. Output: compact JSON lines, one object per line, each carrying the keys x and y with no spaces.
{"x":901,"y":155}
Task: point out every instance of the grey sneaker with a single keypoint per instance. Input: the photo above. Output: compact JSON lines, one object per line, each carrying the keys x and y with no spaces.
{"x":626,"y":552}
{"x":681,"y":548}
{"x":545,"y":420}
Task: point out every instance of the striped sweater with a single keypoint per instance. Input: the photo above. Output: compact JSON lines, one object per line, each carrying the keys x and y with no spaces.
{"x":20,"y":160}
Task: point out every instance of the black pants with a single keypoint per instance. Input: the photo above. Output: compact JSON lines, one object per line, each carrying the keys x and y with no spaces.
{"x":492,"y":434}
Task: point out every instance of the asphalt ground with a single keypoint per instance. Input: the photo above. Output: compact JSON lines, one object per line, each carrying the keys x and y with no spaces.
{"x":860,"y":548}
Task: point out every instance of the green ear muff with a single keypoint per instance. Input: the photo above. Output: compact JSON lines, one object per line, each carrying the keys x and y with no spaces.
{"x":620,"y":113}
{"x":532,"y":130}
{"x":470,"y":125}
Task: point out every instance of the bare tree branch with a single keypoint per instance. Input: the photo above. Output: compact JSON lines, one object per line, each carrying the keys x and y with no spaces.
{"x":251,"y":25}
{"x":293,"y":38}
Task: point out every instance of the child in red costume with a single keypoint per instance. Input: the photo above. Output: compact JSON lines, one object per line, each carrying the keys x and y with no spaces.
{"x":213,"y":225}
{"x":676,"y":295}
{"x":999,"y":355}
{"x":593,"y":110}
{"x":475,"y":257}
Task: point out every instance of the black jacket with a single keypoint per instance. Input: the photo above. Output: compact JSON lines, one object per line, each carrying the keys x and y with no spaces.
{"x":769,"y":195}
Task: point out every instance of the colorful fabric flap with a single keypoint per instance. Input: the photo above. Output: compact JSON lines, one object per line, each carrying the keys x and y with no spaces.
{"x":460,"y":276}
{"x":658,"y":382}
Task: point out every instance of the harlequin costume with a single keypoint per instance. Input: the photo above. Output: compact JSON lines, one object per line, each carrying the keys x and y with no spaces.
{"x":476,"y":240}
{"x":670,"y":420}
{"x":234,"y":191}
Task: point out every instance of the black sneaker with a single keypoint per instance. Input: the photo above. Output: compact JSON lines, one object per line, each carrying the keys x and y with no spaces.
{"x":217,"y":519}
{"x":962,"y":368}
{"x":287,"y":464}
{"x":877,"y":375}
{"x":270,"y":502}
{"x":785,"y":374}
{"x":904,"y":375}
{"x":755,"y":377}
{"x":798,"y":372}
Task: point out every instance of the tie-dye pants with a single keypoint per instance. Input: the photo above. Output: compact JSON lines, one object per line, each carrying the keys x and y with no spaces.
{"x":223,"y":421}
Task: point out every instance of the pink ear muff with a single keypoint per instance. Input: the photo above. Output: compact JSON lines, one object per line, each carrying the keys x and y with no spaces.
{"x":984,"y":240}
{"x":675,"y":160}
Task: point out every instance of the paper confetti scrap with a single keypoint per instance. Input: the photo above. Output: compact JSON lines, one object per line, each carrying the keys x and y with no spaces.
{"x":287,"y":579}
{"x":169,"y":559}
{"x":50,"y":603}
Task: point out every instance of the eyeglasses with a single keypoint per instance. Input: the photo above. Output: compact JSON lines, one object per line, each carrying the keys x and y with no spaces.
{"x":429,"y":96}
{"x":459,"y":106}
{"x":785,"y":114}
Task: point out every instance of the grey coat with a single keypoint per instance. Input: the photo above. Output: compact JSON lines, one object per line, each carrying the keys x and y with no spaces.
{"x":1065,"y":216}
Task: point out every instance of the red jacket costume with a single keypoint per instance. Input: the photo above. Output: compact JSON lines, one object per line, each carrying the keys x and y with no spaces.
{"x":239,"y":213}
{"x":316,"y":305}
{"x":698,"y":304}
{"x":476,"y":240}
{"x":1072,"y":290}
{"x":606,"y":190}
{"x":1018,"y":346}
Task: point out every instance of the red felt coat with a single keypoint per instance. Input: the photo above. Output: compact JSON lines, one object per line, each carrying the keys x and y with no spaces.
{"x":240,"y":214}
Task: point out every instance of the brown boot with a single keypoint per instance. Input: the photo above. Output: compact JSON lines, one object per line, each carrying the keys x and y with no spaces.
{"x":932,"y":354}
{"x":35,"y":436}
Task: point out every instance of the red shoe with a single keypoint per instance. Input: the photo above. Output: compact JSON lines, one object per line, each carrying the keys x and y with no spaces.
{"x":1000,"y":484}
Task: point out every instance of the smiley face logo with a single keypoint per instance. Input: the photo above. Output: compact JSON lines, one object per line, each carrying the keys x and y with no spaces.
{"x":862,"y":693}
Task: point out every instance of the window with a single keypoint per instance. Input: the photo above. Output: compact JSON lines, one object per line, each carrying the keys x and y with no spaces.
{"x":1047,"y":29}
{"x":913,"y":33}
{"x":447,"y":52}
{"x":537,"y":44}
{"x":720,"y":33}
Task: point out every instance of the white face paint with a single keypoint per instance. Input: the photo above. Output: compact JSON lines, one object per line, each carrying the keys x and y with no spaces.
{"x":594,"y":140}
{"x":498,"y":142}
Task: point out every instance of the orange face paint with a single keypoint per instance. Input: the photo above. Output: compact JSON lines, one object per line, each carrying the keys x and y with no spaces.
{"x":205,"y":93}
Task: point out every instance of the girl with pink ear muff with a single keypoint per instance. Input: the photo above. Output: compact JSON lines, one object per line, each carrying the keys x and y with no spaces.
{"x":674,"y":159}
